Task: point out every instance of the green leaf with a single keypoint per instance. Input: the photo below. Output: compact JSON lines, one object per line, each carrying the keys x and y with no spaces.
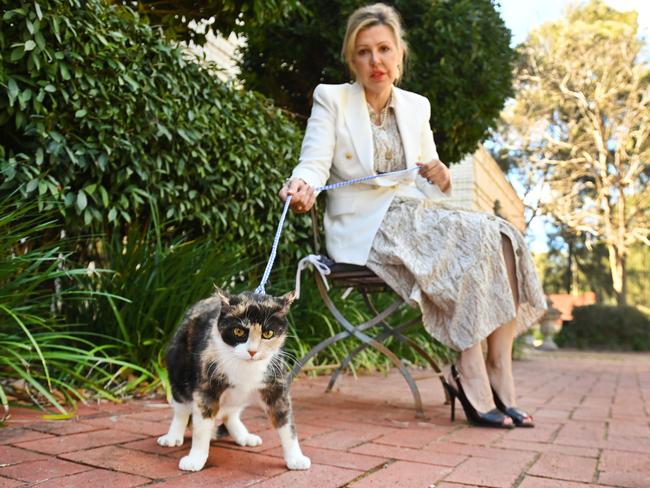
{"x":30,"y":45}
{"x":81,"y":113}
{"x":12,"y":91}
{"x":39,"y":156}
{"x":82,"y":201}
{"x":39,"y":14}
{"x":32,"y":185}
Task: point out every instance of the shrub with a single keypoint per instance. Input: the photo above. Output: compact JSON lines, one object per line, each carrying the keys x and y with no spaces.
{"x":101,"y":118}
{"x":606,"y":327}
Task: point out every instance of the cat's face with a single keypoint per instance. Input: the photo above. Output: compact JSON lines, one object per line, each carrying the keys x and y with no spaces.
{"x":255,"y":326}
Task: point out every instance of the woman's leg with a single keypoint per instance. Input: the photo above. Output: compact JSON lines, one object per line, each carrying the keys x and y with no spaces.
{"x":474,"y":378}
{"x":499,"y":359}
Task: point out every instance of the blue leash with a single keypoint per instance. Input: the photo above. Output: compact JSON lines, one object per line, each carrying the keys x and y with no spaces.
{"x":278,"y":232}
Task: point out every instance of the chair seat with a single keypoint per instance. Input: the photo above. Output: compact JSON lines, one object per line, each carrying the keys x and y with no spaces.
{"x":352,"y":274}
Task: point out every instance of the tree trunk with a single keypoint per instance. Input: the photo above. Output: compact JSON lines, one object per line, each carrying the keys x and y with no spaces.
{"x":569,"y":269}
{"x":617,"y":268}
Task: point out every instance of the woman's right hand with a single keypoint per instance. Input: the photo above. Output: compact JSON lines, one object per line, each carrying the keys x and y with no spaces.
{"x":302,"y":195}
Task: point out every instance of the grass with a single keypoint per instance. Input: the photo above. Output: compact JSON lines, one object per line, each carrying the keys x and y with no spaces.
{"x":43,"y":360}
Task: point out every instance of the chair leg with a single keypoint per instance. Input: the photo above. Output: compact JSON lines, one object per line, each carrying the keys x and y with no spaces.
{"x":357,"y":332}
{"x":315,"y":350}
{"x":419,"y":349}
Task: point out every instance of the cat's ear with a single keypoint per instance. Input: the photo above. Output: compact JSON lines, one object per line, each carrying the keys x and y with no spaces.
{"x":285,"y":302}
{"x":223,"y":296}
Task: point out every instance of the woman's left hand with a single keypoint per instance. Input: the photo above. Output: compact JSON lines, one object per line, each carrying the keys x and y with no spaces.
{"x":436,"y":173}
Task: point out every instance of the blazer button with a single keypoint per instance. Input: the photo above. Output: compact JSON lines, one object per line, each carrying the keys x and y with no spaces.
{"x":348,"y":155}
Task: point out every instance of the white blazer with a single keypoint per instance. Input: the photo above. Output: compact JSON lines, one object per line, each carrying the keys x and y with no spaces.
{"x":338,"y":146}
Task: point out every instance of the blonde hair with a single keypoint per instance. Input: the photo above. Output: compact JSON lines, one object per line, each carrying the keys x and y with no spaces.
{"x":370,"y":16}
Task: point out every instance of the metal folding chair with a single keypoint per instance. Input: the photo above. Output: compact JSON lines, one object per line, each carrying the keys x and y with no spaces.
{"x":363,"y":280}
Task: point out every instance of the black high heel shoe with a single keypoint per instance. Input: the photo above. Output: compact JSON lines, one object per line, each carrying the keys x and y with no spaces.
{"x":493,"y":418}
{"x":518,"y":416}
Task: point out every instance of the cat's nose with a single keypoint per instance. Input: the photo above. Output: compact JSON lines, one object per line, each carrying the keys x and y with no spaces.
{"x":252,"y":353}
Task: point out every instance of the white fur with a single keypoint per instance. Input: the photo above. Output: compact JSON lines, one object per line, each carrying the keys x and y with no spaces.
{"x":293,"y":456}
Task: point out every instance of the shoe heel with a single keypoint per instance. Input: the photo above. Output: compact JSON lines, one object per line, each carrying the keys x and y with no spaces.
{"x":453,"y":408}
{"x":452,"y":400}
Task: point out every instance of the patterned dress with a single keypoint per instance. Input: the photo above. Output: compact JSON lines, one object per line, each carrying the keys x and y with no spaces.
{"x":449,"y":261}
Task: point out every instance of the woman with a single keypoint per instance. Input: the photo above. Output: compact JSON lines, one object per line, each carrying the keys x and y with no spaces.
{"x":470,"y":273}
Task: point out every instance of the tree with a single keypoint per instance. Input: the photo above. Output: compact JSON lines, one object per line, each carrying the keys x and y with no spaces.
{"x":579,"y":125}
{"x":224,"y":16}
{"x":460,"y":59}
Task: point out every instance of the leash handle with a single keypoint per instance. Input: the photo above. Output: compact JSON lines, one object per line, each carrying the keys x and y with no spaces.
{"x":274,"y":248}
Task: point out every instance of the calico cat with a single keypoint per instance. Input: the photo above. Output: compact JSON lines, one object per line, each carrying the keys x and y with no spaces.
{"x":227,"y":348}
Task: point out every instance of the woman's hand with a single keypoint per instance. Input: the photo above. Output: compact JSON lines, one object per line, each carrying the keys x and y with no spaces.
{"x":436,"y":173}
{"x":302,"y":195}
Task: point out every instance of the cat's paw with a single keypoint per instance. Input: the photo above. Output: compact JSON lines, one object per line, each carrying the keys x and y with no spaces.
{"x":299,"y":461}
{"x":250,"y":440}
{"x":192,"y":462}
{"x":169,"y":440}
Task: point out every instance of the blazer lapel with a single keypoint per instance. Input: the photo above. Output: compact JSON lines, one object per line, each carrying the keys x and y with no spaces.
{"x":358,"y":121}
{"x":405,"y":115}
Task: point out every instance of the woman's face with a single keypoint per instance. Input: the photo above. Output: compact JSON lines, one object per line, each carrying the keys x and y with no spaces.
{"x":376,"y":58}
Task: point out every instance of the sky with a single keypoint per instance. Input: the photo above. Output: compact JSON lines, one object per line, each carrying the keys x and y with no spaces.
{"x":522,"y":16}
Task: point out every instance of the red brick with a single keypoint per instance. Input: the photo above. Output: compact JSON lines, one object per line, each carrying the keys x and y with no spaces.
{"x":42,"y":470}
{"x":587,"y":434}
{"x":626,"y":443}
{"x":96,"y":477}
{"x":542,"y":432}
{"x":487,"y":472}
{"x":342,"y":439}
{"x":553,"y":414}
{"x":535,"y":482}
{"x":543,"y":447}
{"x":8,"y":483}
{"x":624,"y":469}
{"x":402,"y":473}
{"x":229,"y":469}
{"x":587,"y":413}
{"x":11,"y":455}
{"x":476,"y":435}
{"x":635,"y":428}
{"x":63,"y":427}
{"x":317,"y":476}
{"x":78,"y":442}
{"x":413,"y":437}
{"x":127,"y":461}
{"x":16,"y":435}
{"x":564,"y":467}
{"x":406,"y":454}
{"x":447,"y":484}
{"x":336,"y":458}
{"x":150,"y":445}
{"x":480,"y":451}
{"x":126,"y":424}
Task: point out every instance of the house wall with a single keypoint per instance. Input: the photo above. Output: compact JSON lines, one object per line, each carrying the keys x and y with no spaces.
{"x":478,"y":183}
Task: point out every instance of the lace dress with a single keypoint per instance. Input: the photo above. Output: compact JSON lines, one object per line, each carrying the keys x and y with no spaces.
{"x":449,"y":261}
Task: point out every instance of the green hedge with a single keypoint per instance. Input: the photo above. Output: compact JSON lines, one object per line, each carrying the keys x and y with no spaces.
{"x":103,"y":119}
{"x":606,"y":327}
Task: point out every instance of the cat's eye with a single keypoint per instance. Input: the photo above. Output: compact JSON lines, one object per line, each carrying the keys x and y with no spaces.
{"x":238,"y":331}
{"x":267,"y":334}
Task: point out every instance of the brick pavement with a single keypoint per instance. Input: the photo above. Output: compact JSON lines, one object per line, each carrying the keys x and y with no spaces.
{"x":593,"y":429}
